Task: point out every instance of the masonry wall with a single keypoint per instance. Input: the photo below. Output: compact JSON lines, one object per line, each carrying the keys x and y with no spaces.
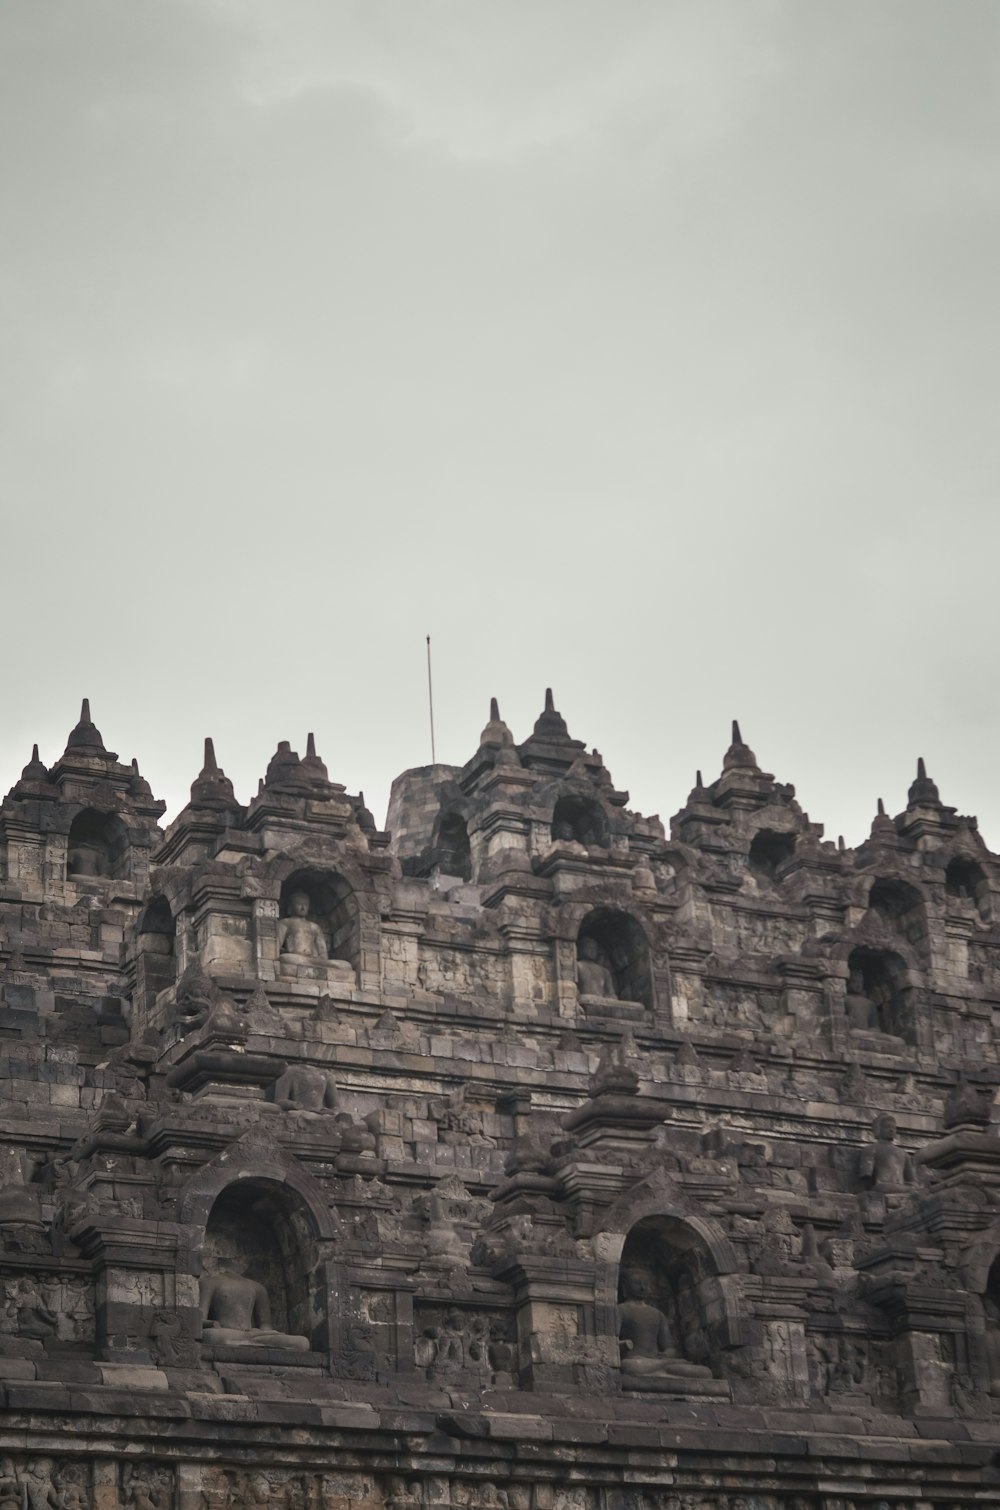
{"x":526,"y":1072}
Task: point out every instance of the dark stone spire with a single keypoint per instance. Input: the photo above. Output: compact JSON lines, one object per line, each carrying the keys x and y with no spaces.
{"x":882,"y":823}
{"x":496,"y":734}
{"x":739,"y":756}
{"x":311,"y":766}
{"x":550,"y":725}
{"x":34,"y":770}
{"x":85,"y":738}
{"x":212,"y":788}
{"x":139,"y":786}
{"x":923,"y":792}
{"x":283,"y":768}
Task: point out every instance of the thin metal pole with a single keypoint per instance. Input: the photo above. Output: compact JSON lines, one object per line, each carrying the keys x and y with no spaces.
{"x":430,"y":700}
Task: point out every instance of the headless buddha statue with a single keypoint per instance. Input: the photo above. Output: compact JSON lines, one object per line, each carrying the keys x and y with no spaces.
{"x":236,"y":1311}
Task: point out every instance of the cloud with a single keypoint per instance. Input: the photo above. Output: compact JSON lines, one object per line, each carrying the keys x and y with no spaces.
{"x":485,"y":82}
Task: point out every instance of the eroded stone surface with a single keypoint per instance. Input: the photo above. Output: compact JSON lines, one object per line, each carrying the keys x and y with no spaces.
{"x":525,"y":1155}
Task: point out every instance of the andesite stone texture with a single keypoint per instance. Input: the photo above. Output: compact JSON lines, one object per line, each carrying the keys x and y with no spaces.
{"x":525,"y":1155}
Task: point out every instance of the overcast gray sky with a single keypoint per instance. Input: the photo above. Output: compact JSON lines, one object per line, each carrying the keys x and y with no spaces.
{"x":647,"y":348}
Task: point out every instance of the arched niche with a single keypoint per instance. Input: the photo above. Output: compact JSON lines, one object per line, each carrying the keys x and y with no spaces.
{"x":155,"y":936}
{"x":900,"y":908}
{"x":263,"y":1231}
{"x":769,"y":851}
{"x":97,"y":847}
{"x":613,"y":960}
{"x":667,"y":1265}
{"x":991,"y":1325}
{"x":155,"y":928}
{"x":453,"y":851}
{"x":333,"y":906}
{"x":879,"y":996}
{"x":966,"y":881}
{"x":579,"y":820}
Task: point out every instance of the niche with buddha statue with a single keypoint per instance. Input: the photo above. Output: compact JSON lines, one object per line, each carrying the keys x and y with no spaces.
{"x":97,"y":847}
{"x":579,"y":820}
{"x":967,"y":888}
{"x":613,"y":964}
{"x":262,"y":1283}
{"x":673,"y":1316}
{"x":317,"y":932}
{"x":879,"y":998}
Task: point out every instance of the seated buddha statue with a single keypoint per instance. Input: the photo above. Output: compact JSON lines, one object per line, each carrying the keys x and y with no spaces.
{"x":236,"y":1310}
{"x":647,"y":1346}
{"x":303,"y":1088}
{"x":594,"y":977}
{"x":298,"y":935}
{"x":883,"y":1162}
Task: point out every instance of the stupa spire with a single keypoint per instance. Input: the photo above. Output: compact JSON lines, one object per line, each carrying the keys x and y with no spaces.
{"x":86,"y":737}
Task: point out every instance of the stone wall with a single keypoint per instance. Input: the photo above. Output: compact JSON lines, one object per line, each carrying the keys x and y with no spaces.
{"x":528,"y":1156}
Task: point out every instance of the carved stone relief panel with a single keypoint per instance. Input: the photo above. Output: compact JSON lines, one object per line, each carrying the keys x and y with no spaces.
{"x":450,"y":1341}
{"x":286,"y":1489}
{"x":45,"y":1483}
{"x":147,"y":1486}
{"x":47,"y":1307}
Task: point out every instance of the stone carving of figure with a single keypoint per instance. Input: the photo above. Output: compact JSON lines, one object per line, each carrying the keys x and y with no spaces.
{"x":235,"y":1310}
{"x":449,"y":1344}
{"x":10,"y":1489}
{"x":196,"y":997}
{"x":860,"y":1009}
{"x":37,"y":1489}
{"x":888,"y":1166}
{"x":593,"y":976}
{"x":355,"y":1137}
{"x":302,"y":1088}
{"x":86,"y":860}
{"x":298,"y":934}
{"x":27,"y":1311}
{"x":647,"y":1347}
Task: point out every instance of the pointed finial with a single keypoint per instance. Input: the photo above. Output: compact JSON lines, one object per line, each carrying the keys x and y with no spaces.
{"x":840,"y":843}
{"x":139,"y":786}
{"x":923,"y":792}
{"x":739,"y":756}
{"x":260,"y":786}
{"x":86,"y":738}
{"x":212,"y":786}
{"x":312,"y":767}
{"x":34,"y":770}
{"x":550,"y":725}
{"x":496,"y":734}
{"x":364,"y":818}
{"x":881,"y":808}
{"x":698,"y":783}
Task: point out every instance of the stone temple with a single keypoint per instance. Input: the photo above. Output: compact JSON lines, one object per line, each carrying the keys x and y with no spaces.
{"x":522,"y":1155}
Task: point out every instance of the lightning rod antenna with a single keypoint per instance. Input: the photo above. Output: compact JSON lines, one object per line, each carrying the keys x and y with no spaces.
{"x":430,"y":700}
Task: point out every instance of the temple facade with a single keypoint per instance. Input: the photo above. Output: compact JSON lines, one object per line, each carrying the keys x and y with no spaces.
{"x":526,"y":1154}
